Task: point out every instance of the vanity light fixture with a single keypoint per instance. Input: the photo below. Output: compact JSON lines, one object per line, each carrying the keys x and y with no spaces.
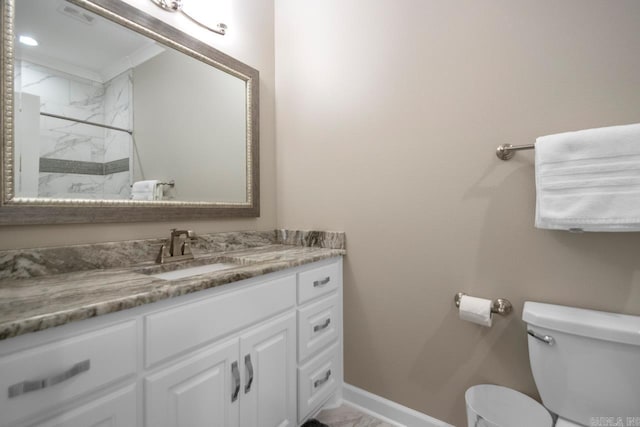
{"x":177,"y":6}
{"x":29,"y":41}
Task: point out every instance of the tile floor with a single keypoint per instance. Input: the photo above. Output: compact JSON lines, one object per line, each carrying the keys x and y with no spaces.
{"x":347,"y":416}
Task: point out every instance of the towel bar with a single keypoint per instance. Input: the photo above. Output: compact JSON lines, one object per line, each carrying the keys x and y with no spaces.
{"x":507,"y":151}
{"x":171,"y":183}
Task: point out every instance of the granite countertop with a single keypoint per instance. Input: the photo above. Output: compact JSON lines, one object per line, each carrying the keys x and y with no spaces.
{"x":36,"y":293}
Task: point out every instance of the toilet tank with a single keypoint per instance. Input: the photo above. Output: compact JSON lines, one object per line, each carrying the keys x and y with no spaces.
{"x":591,"y":369}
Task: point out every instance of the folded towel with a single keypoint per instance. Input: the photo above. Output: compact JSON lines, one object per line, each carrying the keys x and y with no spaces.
{"x":589,"y":180}
{"x":146,"y":190}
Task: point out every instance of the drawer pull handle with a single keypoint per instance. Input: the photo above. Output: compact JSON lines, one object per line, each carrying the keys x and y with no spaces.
{"x":321,"y":282}
{"x":235,"y":387}
{"x":318,"y":383}
{"x":249,"y":366}
{"x":325,"y":325}
{"x":547,"y":339}
{"x":29,"y":386}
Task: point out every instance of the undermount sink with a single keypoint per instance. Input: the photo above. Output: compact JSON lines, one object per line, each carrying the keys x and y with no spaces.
{"x":181,"y":272}
{"x":192,"y":271}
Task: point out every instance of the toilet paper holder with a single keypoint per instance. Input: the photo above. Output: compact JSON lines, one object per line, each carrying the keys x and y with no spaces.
{"x":500,"y":306}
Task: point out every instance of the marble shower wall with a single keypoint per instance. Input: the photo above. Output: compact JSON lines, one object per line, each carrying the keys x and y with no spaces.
{"x":79,"y":160}
{"x":118,"y":93}
{"x":62,"y":93}
{"x":118,"y":111}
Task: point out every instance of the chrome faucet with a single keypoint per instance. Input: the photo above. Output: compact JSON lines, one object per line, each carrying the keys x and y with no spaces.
{"x":179,"y":246}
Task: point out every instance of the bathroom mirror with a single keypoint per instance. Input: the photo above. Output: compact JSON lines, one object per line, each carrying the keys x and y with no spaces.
{"x":111,"y":115}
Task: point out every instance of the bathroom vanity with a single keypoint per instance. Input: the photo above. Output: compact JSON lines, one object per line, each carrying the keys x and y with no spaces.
{"x":265,"y":350}
{"x":247,"y":333}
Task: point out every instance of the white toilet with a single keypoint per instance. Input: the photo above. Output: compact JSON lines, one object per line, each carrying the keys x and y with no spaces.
{"x":586,"y":365}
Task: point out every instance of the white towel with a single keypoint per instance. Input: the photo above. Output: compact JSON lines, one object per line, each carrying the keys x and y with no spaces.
{"x":589,"y":180}
{"x":146,"y":190}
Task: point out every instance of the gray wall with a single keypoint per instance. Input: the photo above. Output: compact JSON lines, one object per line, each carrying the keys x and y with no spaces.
{"x":388,"y":116}
{"x":193,"y":131}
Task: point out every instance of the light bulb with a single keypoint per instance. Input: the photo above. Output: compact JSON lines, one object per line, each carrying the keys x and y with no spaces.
{"x":29,"y":41}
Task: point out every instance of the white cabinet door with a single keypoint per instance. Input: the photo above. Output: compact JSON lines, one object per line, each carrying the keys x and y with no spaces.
{"x":268,"y":357}
{"x":113,"y":410}
{"x":202,"y":391}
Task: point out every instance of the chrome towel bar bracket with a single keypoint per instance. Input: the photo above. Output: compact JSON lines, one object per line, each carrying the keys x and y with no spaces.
{"x":500,"y":306}
{"x":507,"y":151}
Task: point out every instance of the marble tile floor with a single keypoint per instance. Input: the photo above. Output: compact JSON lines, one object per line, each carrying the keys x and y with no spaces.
{"x":348,"y":416}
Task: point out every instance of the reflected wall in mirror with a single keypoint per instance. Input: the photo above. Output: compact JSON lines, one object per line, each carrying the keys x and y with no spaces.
{"x":104,"y":116}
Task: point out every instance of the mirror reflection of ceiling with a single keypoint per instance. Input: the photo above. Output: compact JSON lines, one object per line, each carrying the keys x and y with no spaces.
{"x":101,"y":54}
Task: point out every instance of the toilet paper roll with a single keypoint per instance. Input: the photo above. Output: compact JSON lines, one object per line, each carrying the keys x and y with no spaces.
{"x":476,"y":310}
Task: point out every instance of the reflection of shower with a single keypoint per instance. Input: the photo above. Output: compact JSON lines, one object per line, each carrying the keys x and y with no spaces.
{"x":86,"y":155}
{"x":85,"y":122}
{"x":136,"y":155}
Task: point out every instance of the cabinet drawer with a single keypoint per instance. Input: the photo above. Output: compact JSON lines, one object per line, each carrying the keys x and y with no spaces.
{"x":47,"y":376}
{"x":317,"y":381}
{"x":176,"y":330}
{"x":318,"y":325}
{"x":114,"y":410}
{"x":317,"y":282}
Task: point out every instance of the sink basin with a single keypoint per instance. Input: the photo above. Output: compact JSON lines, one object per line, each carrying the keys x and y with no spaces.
{"x":192,"y":271}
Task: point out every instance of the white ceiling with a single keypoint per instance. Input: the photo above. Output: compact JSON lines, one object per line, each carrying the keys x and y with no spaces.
{"x":98,"y":51}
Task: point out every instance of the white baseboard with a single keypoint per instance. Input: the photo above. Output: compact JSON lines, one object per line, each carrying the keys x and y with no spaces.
{"x":386,"y":410}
